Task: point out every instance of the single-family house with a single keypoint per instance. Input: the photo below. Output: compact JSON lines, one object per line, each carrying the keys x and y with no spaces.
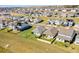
{"x":70,"y":22}
{"x":64,"y":10}
{"x":77,"y":40}
{"x":73,"y":10}
{"x":77,"y":14}
{"x":65,"y":23}
{"x":23,"y":27}
{"x":58,"y":22}
{"x":65,"y":34}
{"x":50,"y":21}
{"x":76,"y":27}
{"x":37,"y":20}
{"x":2,"y":24}
{"x":50,"y":33}
{"x":38,"y":31}
{"x":70,"y":15}
{"x":63,"y":14}
{"x":12,"y":26}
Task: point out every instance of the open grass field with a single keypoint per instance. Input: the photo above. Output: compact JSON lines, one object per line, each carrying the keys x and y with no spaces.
{"x":26,"y":42}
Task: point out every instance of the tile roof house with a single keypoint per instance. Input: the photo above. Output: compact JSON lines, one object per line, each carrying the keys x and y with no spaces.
{"x":38,"y":31}
{"x":65,"y":34}
{"x":50,"y":33}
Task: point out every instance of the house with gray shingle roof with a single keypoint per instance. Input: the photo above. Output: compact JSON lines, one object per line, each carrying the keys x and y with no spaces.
{"x":50,"y":33}
{"x":65,"y":35}
{"x":77,"y":39}
{"x":50,"y":21}
{"x":58,"y":22}
{"x":38,"y":31}
{"x":37,"y":20}
{"x":2,"y":24}
{"x":12,"y":26}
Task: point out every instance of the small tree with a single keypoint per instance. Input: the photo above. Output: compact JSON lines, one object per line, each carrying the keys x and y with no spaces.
{"x":67,"y":44}
{"x":73,"y":46}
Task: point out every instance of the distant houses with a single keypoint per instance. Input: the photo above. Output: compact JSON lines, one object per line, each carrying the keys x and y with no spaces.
{"x":15,"y":24}
{"x":37,"y":20}
{"x":68,"y":22}
{"x":55,"y":22}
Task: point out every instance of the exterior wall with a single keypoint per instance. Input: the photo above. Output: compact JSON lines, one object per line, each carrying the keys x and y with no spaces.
{"x":63,"y":10}
{"x":1,"y":26}
{"x":10,"y":26}
{"x":14,"y":29}
{"x":58,"y":39}
{"x":49,"y":37}
{"x":76,"y":42}
{"x":73,"y":10}
{"x":37,"y":34}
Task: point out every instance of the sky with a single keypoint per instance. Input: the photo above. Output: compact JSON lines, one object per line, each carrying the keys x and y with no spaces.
{"x":39,"y":2}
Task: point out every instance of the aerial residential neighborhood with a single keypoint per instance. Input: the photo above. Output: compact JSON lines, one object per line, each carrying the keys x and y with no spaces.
{"x":39,"y":29}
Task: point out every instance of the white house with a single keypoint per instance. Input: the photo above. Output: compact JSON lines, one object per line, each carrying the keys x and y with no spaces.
{"x":77,"y":40}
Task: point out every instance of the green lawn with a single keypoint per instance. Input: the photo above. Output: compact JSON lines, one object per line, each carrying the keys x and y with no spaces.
{"x":27,"y":34}
{"x":59,"y":43}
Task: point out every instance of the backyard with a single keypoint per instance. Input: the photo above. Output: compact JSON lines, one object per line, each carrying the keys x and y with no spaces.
{"x":26,"y":42}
